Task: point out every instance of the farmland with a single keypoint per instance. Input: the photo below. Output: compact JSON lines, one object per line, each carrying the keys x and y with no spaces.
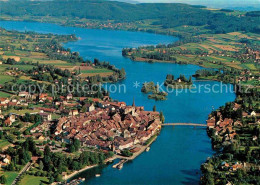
{"x":27,"y":51}
{"x":211,"y":51}
{"x":30,"y":179}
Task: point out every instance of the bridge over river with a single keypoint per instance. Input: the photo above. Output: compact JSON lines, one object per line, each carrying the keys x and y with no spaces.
{"x":185,"y":124}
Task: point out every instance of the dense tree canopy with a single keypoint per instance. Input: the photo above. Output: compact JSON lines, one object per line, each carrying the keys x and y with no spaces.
{"x":167,"y":15}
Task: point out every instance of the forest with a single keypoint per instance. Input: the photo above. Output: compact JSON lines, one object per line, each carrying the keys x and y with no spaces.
{"x":163,"y":14}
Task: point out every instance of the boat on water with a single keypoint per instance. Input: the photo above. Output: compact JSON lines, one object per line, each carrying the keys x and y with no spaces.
{"x":98,"y":175}
{"x":147,"y":149}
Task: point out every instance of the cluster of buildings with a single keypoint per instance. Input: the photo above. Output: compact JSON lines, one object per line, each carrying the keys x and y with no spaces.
{"x":225,"y":127}
{"x":232,"y":166}
{"x":104,"y":124}
{"x":4,"y":160}
{"x":24,"y":99}
{"x":110,"y":126}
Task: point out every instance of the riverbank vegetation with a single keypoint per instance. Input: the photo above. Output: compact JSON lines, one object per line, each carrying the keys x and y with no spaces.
{"x":181,"y":82}
{"x":234,"y":131}
{"x":154,"y":91}
{"x":176,"y":19}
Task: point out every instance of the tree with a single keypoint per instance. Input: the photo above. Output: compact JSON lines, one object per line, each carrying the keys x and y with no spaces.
{"x":11,"y":166}
{"x":122,"y":73}
{"x":71,"y":149}
{"x":190,"y":80}
{"x":41,"y":165}
{"x":76,"y":144}
{"x":51,"y":179}
{"x":154,"y":108}
{"x":47,"y":151}
{"x":162,"y":117}
{"x":3,"y":179}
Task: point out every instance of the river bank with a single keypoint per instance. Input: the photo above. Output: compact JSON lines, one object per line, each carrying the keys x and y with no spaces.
{"x":136,"y":154}
{"x":67,"y":177}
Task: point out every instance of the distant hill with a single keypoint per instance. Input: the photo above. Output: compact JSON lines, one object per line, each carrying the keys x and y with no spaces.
{"x":126,"y":1}
{"x":246,"y":8}
{"x":166,"y":15}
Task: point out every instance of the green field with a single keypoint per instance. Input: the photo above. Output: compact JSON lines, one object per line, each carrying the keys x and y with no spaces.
{"x":5,"y":78}
{"x":24,"y":67}
{"x":10,"y":176}
{"x":3,"y":67}
{"x":21,"y":112}
{"x":4,"y":94}
{"x":3,"y":143}
{"x":33,"y":180}
{"x":96,"y":71}
{"x":249,"y":66}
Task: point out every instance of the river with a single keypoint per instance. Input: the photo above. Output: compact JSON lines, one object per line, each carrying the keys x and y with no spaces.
{"x":175,"y":157}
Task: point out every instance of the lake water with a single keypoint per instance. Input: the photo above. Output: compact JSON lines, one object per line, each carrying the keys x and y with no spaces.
{"x":175,"y":157}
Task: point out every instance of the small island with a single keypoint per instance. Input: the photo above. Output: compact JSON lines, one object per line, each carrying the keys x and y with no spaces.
{"x":181,"y":82}
{"x":156,"y":94}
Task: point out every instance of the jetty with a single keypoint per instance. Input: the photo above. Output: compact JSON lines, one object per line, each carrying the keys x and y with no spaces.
{"x":120,"y":164}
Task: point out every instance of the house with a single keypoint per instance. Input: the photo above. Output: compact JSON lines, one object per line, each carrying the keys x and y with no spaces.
{"x":236,"y":106}
{"x":244,"y":114}
{"x":126,"y":144}
{"x":4,"y":100}
{"x":224,"y":165}
{"x":91,"y":108}
{"x":43,"y":96}
{"x":7,"y":159}
{"x":41,"y":138}
{"x":2,"y":164}
{"x":74,"y":112}
{"x":82,"y":99}
{"x":236,"y":166}
{"x":45,"y":116}
{"x":69,"y":97}
{"x":9,"y":121}
{"x":253,"y":113}
{"x":34,"y":159}
{"x":24,"y":94}
{"x":211,"y":123}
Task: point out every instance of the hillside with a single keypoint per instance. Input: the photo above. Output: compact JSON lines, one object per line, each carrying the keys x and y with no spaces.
{"x":160,"y":16}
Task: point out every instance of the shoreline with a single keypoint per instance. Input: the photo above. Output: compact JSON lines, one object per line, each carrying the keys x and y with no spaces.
{"x":140,"y":59}
{"x":67,"y":177}
{"x":60,"y":23}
